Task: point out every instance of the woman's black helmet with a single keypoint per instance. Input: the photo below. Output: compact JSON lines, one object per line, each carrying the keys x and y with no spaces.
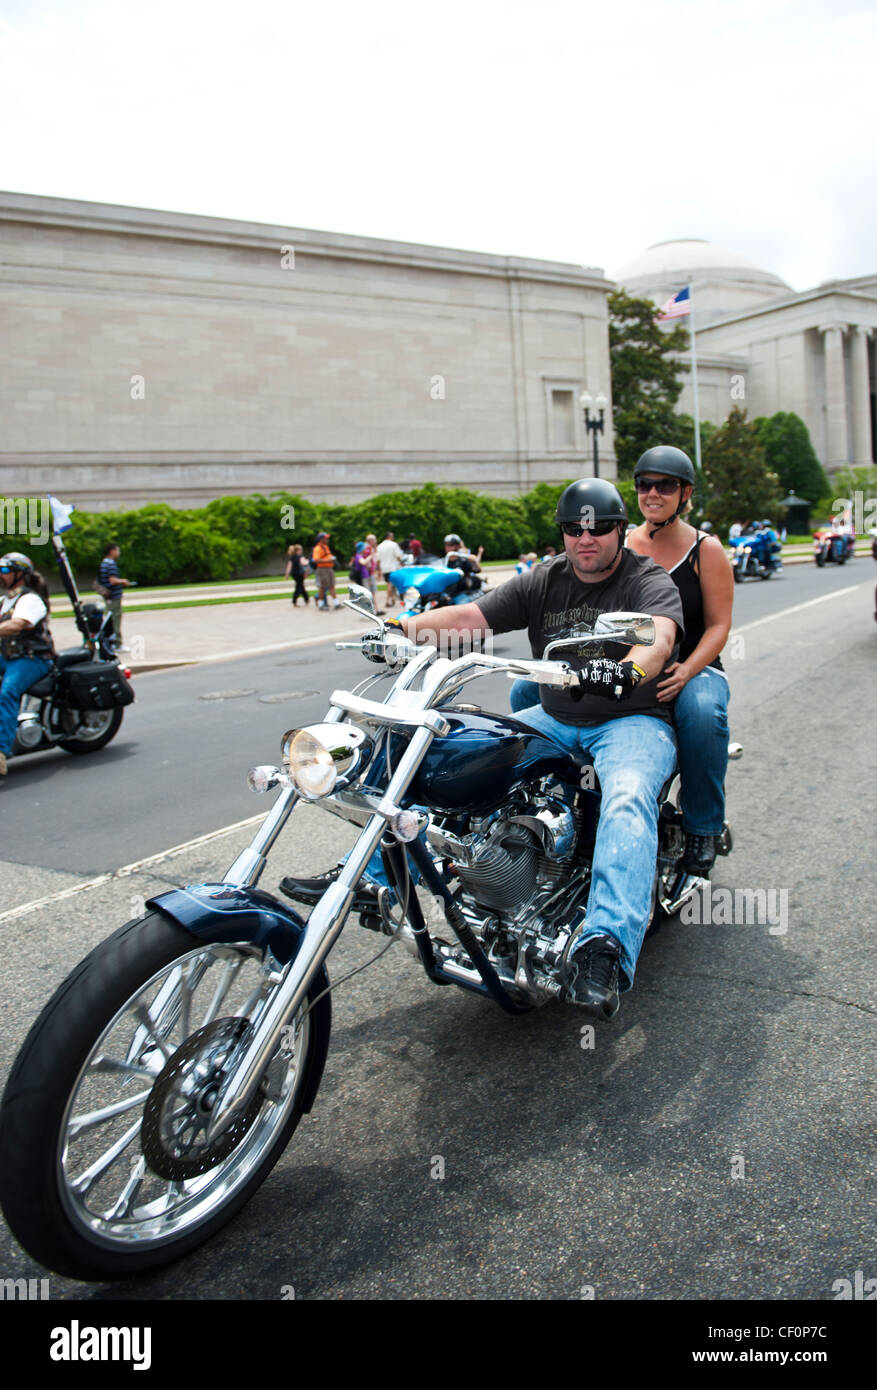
{"x":595,"y":498}
{"x":664,"y":458}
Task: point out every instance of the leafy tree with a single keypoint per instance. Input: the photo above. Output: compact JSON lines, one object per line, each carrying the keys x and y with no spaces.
{"x":645,"y":381}
{"x":790,"y":454}
{"x":741,"y":486}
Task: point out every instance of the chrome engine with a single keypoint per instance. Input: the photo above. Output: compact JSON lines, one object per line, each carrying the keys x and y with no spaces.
{"x":522,"y":888}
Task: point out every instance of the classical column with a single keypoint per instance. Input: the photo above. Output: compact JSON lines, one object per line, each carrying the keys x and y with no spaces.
{"x":837,"y":448}
{"x":861,"y":387}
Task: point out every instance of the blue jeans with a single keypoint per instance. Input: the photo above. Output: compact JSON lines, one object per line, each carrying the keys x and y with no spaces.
{"x":701,"y":718}
{"x":634,"y":756}
{"x":19,"y":675}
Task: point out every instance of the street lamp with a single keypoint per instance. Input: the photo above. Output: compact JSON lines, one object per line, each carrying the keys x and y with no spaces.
{"x":597,"y":425}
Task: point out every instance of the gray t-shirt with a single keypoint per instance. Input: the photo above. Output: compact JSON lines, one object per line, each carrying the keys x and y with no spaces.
{"x":548,"y":600}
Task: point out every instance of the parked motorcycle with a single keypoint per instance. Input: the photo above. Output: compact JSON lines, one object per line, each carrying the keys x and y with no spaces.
{"x":163,"y":1081}
{"x":832,"y":547}
{"x":78,"y":704}
{"x":756,"y":556}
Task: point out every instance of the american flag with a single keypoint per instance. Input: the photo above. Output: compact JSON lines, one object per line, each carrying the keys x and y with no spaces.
{"x":677,"y":307}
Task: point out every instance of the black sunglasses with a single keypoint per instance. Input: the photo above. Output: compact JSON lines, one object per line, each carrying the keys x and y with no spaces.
{"x":599,"y":528}
{"x":665,"y":486}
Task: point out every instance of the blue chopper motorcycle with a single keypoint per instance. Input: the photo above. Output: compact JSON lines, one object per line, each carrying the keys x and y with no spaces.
{"x":163,"y":1081}
{"x":431,"y":586}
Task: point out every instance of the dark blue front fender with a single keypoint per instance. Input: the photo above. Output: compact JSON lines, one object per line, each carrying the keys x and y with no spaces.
{"x":224,"y":912}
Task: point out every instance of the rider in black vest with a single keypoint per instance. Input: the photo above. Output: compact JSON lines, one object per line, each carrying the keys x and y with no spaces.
{"x":26,"y":647}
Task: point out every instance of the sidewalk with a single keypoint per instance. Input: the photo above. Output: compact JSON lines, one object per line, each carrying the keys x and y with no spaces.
{"x":182,"y":636}
{"x":179,"y":637}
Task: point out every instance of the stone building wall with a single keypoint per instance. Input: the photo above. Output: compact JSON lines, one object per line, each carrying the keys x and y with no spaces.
{"x":156,"y":356}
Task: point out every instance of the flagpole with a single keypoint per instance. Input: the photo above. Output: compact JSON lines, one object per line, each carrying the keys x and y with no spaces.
{"x":694,"y":378}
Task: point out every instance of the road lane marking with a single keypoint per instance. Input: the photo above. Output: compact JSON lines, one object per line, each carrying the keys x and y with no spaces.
{"x":128,"y":869}
{"x":797,"y":607}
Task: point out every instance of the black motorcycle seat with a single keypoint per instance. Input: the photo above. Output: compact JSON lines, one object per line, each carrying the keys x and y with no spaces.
{"x":73,"y":656}
{"x":41,"y":687}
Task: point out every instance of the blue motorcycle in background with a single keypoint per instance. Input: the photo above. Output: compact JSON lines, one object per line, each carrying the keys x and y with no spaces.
{"x":428,"y":586}
{"x":756,"y":556}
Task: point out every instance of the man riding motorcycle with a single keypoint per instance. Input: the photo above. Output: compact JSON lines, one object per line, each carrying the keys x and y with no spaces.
{"x":26,"y":647}
{"x":615,"y":716}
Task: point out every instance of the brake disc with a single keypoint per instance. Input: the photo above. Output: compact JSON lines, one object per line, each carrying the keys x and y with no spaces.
{"x":181,"y":1104}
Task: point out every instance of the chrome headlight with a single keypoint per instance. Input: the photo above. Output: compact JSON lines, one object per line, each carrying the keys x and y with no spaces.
{"x":322,"y":756}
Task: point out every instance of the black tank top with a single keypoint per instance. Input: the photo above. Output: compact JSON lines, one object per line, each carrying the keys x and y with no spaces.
{"x":686,"y":577}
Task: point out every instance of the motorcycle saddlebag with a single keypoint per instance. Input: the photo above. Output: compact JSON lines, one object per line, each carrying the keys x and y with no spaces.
{"x":96,"y":685}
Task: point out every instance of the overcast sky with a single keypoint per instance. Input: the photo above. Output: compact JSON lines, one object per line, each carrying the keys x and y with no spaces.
{"x":560,"y":129}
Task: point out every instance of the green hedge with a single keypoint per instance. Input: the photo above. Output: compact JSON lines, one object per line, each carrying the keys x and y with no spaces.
{"x":162,"y":544}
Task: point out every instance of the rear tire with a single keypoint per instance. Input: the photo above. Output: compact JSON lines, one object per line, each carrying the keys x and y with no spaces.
{"x":126,"y":1039}
{"x":106,"y":724}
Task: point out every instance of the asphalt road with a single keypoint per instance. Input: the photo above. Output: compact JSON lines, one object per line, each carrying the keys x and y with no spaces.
{"x":716,"y":1141}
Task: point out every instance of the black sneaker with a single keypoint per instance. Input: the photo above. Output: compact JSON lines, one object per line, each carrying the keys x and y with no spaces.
{"x":592,"y":976}
{"x":700,"y":854}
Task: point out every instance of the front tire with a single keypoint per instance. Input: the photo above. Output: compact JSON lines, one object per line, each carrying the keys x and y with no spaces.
{"x":105,"y":1171}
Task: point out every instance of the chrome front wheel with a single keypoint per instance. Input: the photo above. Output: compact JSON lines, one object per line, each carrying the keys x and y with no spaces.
{"x":106,"y":1169}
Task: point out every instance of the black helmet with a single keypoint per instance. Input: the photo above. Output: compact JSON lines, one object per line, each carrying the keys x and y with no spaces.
{"x":16,"y":561}
{"x":595,"y":497}
{"x":664,"y":458}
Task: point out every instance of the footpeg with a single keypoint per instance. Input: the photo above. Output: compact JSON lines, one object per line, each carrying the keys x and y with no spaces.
{"x":682,"y":889}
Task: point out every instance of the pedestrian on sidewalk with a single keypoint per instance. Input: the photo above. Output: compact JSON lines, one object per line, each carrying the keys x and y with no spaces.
{"x":323,"y":564}
{"x":389,"y":559}
{"x":295,"y":568}
{"x":369,"y":558}
{"x":110,"y":586}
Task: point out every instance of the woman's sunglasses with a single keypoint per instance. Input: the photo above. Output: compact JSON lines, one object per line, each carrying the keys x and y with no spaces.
{"x":599,"y":528}
{"x":666,"y":486}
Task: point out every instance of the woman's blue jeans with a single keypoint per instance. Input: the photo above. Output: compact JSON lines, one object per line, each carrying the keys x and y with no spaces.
{"x":18,"y":675}
{"x":701,"y":718}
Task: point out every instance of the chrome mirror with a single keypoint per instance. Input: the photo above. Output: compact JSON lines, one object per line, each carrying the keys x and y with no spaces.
{"x":360,"y":600}
{"x":628,"y":629}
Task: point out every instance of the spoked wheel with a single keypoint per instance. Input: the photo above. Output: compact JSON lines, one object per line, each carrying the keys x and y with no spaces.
{"x":94,"y":729}
{"x":106,"y":1169}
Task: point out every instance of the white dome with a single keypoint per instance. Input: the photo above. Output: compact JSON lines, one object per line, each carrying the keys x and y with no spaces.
{"x":690,"y":257}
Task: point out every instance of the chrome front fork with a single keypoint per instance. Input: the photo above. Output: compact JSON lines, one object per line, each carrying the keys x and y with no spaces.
{"x":323,"y":929}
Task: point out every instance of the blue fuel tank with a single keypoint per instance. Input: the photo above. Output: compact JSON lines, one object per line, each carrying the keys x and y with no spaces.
{"x":481,"y":760}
